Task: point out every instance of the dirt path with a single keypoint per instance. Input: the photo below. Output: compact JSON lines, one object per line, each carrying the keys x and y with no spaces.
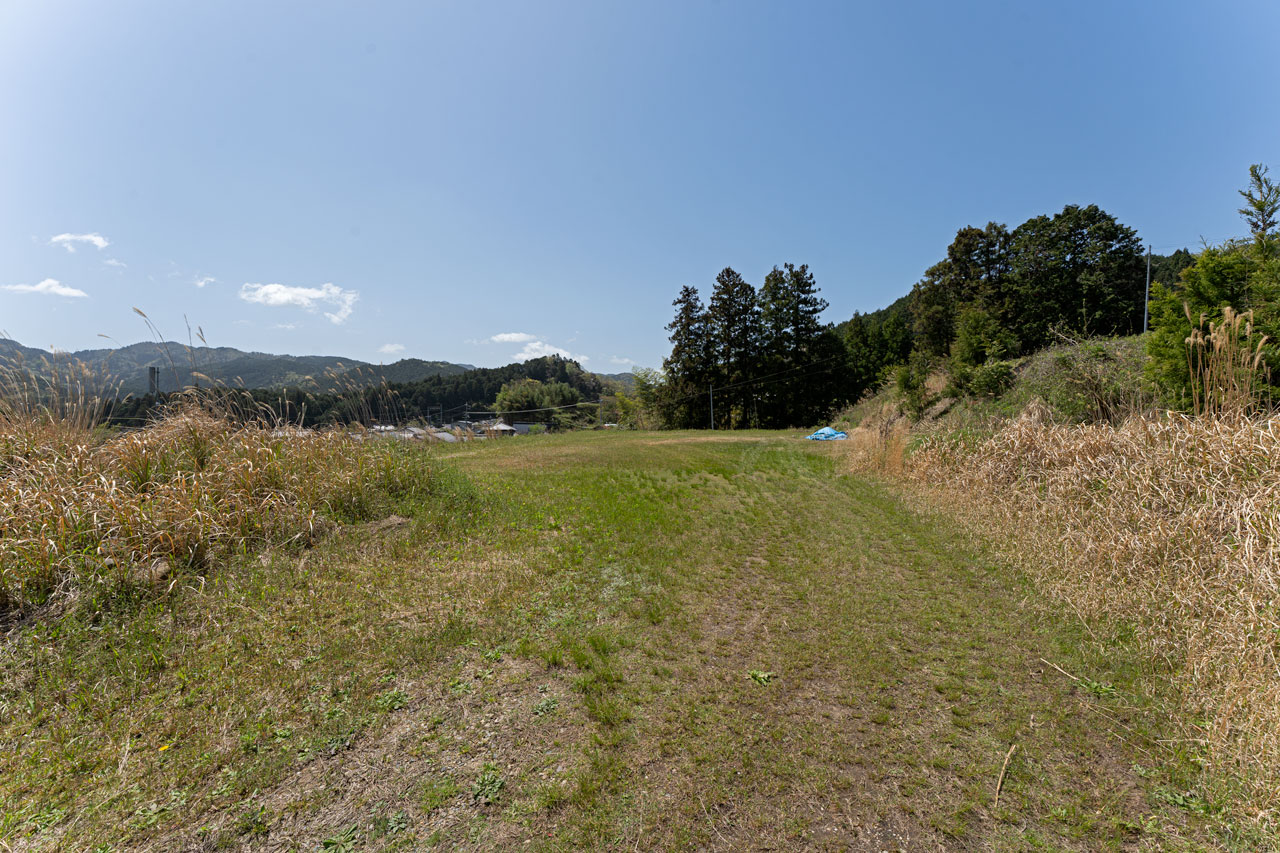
{"x":835,"y":671}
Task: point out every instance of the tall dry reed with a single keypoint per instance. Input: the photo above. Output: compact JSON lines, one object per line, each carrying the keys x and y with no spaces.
{"x":59,"y":389}
{"x":1225,"y":363}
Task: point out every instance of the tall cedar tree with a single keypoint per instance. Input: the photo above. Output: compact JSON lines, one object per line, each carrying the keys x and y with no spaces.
{"x":792,"y":337}
{"x":737,"y":335}
{"x":690,"y":368}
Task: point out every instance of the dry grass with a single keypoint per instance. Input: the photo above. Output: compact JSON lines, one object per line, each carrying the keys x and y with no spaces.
{"x":81,"y":509}
{"x":1169,"y":525}
{"x":60,"y":389}
{"x":1225,"y":361}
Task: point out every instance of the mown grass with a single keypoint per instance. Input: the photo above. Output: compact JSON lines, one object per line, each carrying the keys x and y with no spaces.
{"x":556,"y":651}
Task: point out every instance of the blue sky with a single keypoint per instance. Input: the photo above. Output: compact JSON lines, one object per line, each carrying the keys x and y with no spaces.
{"x":478,"y":182}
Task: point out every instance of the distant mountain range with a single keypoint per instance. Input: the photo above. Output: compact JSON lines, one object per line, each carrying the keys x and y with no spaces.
{"x":126,"y":368}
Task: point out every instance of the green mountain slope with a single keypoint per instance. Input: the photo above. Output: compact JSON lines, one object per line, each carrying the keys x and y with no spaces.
{"x":126,"y":368}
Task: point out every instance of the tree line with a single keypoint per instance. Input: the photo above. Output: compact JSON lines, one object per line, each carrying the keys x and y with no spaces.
{"x":431,"y":400}
{"x":750,"y":357}
{"x":764,"y":358}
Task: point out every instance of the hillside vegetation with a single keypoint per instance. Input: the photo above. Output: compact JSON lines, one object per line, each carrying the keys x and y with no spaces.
{"x":1136,"y":480}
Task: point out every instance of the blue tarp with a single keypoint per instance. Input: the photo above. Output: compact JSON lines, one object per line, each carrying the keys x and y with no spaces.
{"x":828,"y":434}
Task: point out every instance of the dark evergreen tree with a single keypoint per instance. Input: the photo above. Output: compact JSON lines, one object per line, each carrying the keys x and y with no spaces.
{"x":876,"y":343}
{"x":690,"y":369}
{"x":790,"y":310}
{"x":1167,"y":269}
{"x":791,"y":334}
{"x":736,"y":331}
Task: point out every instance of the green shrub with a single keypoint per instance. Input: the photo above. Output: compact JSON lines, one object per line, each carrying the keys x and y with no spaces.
{"x":991,"y":379}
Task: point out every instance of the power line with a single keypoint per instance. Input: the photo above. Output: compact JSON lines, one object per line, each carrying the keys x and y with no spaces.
{"x":1186,"y":244}
{"x":778,"y":373}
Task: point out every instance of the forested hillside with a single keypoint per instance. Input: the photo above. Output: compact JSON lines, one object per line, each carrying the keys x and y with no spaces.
{"x":763,"y":357}
{"x":125,"y":369}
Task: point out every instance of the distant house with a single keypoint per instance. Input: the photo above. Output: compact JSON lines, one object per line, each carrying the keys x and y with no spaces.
{"x":500,"y":429}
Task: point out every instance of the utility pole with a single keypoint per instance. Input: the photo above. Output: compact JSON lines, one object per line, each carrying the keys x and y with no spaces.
{"x":1146,"y":301}
{"x":712,"y":390}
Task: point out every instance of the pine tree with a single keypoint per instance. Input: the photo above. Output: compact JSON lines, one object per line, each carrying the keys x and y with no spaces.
{"x":1262,"y":203}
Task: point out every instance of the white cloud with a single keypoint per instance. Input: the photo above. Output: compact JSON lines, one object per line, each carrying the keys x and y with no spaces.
{"x":115,"y":262}
{"x":49,"y":287}
{"x":616,"y":360}
{"x":278,"y":295}
{"x":391,"y":349}
{"x":288,"y":327}
{"x":513,"y":338}
{"x":538,"y":349}
{"x":68,"y":241}
{"x":203,"y":280}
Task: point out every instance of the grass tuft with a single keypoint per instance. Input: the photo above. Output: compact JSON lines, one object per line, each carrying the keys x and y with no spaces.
{"x":84,"y":512}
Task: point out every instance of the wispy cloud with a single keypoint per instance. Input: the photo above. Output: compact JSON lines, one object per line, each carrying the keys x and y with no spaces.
{"x":201,"y":281}
{"x":539,"y":349}
{"x":617,"y":360}
{"x":115,"y":262}
{"x":513,"y":338}
{"x":310,"y":298}
{"x":68,"y":241}
{"x":48,"y":287}
{"x":391,"y":349}
{"x":288,"y":327}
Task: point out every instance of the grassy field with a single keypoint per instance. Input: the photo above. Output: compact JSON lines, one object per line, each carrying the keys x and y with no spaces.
{"x":599,"y":641}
